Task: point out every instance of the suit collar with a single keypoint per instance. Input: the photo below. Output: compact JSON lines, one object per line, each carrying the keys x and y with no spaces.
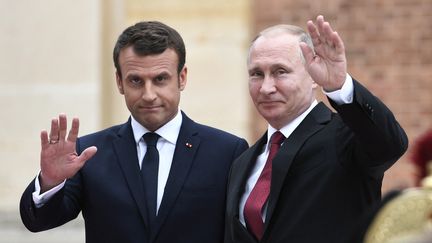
{"x":290,"y":127}
{"x":320,"y":114}
{"x":313,"y":122}
{"x":125,"y":149}
{"x":239,"y":175}
{"x":169,"y":131}
{"x":187,"y":145}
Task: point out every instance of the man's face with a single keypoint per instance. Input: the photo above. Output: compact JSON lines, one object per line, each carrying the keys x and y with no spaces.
{"x":151,"y":86}
{"x":279,"y":84}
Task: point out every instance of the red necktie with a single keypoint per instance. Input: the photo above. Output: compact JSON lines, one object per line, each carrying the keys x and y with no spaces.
{"x":260,"y":192}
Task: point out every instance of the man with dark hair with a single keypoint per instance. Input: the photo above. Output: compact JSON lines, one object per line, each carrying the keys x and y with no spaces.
{"x":159,"y":177}
{"x":314,"y":173}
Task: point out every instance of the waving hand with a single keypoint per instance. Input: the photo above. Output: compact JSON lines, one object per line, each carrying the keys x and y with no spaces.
{"x":59,"y":159}
{"x":328,"y":65}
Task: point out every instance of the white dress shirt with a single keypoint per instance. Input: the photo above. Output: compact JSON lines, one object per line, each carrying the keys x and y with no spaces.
{"x":165,"y":145}
{"x":342,"y":96}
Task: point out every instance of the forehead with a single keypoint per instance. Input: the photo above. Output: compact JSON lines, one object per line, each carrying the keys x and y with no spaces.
{"x":131,"y":61}
{"x":281,"y":46}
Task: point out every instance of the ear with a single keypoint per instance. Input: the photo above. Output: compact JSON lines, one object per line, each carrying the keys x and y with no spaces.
{"x":314,"y":85}
{"x":119,"y":82}
{"x":183,"y":78}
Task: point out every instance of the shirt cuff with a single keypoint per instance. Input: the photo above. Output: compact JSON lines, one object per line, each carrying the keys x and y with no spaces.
{"x":343,"y":95}
{"x":40,"y":199}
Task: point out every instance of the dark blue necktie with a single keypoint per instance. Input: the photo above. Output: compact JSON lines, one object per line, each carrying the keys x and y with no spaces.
{"x":149,"y":171}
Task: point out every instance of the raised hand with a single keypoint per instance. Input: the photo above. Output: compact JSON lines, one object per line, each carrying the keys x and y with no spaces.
{"x":59,"y":159}
{"x":328,"y":65}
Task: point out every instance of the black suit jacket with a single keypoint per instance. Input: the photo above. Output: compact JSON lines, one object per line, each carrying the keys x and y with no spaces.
{"x":327,"y":173}
{"x":109,"y":190}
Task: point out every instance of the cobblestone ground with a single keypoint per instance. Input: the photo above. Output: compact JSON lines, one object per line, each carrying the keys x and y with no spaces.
{"x":13,"y":231}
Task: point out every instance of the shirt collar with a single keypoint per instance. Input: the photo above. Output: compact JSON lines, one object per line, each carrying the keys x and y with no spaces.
{"x":169,"y":131}
{"x":290,"y":127}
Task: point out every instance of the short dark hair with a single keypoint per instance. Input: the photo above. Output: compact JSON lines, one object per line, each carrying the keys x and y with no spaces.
{"x":149,"y":38}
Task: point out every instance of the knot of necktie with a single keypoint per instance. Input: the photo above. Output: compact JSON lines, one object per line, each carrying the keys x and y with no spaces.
{"x":277,"y":138}
{"x":151,"y":138}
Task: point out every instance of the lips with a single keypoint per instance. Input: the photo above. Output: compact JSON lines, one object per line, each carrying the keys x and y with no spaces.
{"x":268,"y":102}
{"x":150,"y":108}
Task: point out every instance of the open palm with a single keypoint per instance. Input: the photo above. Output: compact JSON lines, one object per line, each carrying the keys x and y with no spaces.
{"x":59,"y":159}
{"x":327,"y":65}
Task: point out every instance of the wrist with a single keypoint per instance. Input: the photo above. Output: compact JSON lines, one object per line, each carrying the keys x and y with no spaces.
{"x":46,"y":184}
{"x":338,"y":84}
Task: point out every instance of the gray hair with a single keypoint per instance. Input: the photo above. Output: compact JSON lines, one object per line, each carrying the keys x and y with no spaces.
{"x":287,"y":29}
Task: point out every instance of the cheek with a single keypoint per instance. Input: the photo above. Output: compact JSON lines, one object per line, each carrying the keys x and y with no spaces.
{"x":254,"y":89}
{"x":170,"y":96}
{"x":132,"y":98}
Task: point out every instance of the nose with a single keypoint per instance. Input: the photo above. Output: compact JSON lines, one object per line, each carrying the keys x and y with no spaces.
{"x":268,"y":85}
{"x":148,"y":92}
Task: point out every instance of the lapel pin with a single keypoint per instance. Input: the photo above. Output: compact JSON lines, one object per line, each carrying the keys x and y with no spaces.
{"x":188,"y":145}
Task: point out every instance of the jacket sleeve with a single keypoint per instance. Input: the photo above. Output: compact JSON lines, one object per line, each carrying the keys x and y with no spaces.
{"x":378,"y":140}
{"x":55,"y":212}
{"x":64,"y":206}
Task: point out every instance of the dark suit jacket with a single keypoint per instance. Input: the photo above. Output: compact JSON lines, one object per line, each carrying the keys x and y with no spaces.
{"x":109,"y":189}
{"x":325,"y":175}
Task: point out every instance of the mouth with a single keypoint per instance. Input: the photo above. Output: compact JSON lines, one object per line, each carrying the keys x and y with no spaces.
{"x":268,"y":102}
{"x":150,"y":108}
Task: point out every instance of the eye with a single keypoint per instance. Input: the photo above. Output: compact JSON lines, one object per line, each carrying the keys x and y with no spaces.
{"x":280,"y":71}
{"x":135,"y":80}
{"x":255,"y":74}
{"x":160,"y":78}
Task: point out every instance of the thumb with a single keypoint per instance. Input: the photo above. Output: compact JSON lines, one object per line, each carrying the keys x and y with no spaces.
{"x":86,"y":155}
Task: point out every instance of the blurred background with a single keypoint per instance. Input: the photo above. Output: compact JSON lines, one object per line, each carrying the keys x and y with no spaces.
{"x":57,"y":58}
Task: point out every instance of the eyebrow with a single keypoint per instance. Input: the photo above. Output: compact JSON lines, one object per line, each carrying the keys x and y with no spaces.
{"x":254,"y":69}
{"x":272,"y":67}
{"x":163,"y":73}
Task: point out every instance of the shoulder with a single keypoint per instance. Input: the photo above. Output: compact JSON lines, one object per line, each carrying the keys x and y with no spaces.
{"x":107,"y":134}
{"x":207,"y":132}
{"x":214,"y":139}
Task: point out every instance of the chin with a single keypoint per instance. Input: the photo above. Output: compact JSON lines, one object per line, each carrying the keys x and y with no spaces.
{"x":269,"y":114}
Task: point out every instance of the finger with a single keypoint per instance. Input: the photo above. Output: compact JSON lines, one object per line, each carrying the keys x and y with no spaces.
{"x":308,"y":53}
{"x":328,"y":34}
{"x":63,"y":127}
{"x":44,"y":138}
{"x":73,"y":132}
{"x":319,"y":23}
{"x":313,"y":32}
{"x":337,"y":40}
{"x":54,"y":131}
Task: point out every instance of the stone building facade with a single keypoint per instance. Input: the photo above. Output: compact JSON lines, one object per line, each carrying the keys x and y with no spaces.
{"x":57,"y":58}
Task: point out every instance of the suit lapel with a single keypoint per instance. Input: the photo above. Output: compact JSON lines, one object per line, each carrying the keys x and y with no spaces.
{"x":241,"y":170}
{"x":313,"y":122}
{"x":125,"y":148}
{"x":187,"y":145}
